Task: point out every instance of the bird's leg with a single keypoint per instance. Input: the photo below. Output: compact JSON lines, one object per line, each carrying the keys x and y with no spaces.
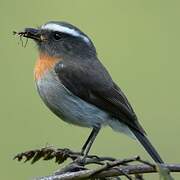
{"x":87,"y":146}
{"x":87,"y":142}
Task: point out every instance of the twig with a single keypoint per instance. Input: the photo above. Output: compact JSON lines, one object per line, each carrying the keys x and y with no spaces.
{"x":107,"y":167}
{"x":60,"y":155}
{"x":131,"y":169}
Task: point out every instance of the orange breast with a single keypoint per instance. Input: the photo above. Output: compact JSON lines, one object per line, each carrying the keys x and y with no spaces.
{"x":43,"y":64}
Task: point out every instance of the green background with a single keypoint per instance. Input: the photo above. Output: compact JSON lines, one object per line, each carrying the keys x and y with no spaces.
{"x":138,"y":41}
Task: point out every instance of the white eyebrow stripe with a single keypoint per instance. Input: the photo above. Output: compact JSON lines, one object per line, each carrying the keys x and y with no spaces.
{"x":63,"y":29}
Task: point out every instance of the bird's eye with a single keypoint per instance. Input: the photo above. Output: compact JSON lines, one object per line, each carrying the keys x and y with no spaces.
{"x":57,"y":36}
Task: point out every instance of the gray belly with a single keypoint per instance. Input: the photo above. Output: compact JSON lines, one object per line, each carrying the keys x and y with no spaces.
{"x":72,"y":109}
{"x":66,"y":105}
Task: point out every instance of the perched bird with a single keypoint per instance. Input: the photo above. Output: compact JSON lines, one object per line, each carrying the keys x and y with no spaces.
{"x":74,"y":84}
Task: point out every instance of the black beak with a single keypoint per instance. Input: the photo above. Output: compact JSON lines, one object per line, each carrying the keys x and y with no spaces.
{"x":30,"y":33}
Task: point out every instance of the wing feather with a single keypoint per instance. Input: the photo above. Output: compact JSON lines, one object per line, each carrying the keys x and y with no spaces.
{"x":91,"y":82}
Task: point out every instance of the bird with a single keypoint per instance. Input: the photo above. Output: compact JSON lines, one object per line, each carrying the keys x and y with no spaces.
{"x":76,"y":86}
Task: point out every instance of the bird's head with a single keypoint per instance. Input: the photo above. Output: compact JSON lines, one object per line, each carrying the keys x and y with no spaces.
{"x":60,"y":39}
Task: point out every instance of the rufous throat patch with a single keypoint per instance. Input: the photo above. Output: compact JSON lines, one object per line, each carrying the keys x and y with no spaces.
{"x":43,"y":64}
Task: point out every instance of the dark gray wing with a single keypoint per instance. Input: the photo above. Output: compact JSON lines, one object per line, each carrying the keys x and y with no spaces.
{"x":91,"y":82}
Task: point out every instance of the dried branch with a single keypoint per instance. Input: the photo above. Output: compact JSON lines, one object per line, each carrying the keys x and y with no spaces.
{"x":107,"y":167}
{"x":131,"y":169}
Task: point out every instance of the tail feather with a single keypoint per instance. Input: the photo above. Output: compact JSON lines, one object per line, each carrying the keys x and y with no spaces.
{"x":148,"y":146}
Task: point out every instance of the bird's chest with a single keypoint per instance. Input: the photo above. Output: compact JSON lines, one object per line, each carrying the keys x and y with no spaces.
{"x":43,"y":65}
{"x":66,"y":105}
{"x":52,"y":92}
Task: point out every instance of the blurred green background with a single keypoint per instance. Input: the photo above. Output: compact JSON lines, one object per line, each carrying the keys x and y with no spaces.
{"x":138,"y":41}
